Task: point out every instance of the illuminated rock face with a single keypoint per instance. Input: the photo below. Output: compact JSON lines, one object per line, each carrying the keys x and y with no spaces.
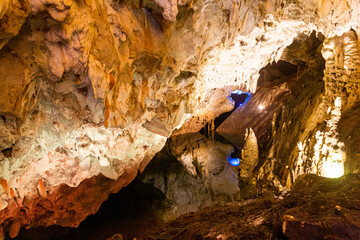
{"x":314,"y":117}
{"x":192,"y":172}
{"x":80,"y":80}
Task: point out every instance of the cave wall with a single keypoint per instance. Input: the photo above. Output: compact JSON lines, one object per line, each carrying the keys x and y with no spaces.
{"x":313,"y":132}
{"x":192,"y":171}
{"x":94,"y":87}
{"x":301,"y":113}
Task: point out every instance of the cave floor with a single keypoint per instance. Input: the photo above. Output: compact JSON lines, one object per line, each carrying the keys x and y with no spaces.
{"x":316,"y":208}
{"x":253,"y":219}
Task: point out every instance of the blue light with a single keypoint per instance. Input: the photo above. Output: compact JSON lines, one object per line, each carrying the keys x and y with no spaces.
{"x":239,"y":92}
{"x":234,"y":161}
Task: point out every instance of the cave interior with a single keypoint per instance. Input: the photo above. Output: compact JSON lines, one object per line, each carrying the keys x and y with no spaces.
{"x":179,"y":119}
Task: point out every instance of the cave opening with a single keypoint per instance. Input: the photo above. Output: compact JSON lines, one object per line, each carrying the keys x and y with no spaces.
{"x":239,"y":98}
{"x":134,"y":208}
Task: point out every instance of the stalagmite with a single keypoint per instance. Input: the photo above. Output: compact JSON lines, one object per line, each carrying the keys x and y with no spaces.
{"x":250,"y":155}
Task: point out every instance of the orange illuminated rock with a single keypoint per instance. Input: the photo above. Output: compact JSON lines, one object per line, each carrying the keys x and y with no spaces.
{"x":12,"y":16}
{"x":15,"y":228}
{"x":5,"y":186}
{"x":12,"y":67}
{"x":2,"y":235}
{"x":42,"y":190}
{"x":12,"y":192}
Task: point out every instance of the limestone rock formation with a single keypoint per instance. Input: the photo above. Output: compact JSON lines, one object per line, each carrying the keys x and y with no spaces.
{"x":13,"y":14}
{"x":92,"y":89}
{"x":306,"y":139}
{"x":250,"y":155}
{"x":192,"y":171}
{"x":258,"y":113}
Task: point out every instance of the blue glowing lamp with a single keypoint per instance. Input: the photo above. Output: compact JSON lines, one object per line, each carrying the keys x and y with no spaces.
{"x":234,"y":161}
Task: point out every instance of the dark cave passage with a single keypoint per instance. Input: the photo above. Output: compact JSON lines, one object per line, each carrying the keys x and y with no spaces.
{"x":278,"y":70}
{"x":129,"y":211}
{"x":240,"y":98}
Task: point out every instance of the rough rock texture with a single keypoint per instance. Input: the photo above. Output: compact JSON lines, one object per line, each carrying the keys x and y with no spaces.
{"x":203,"y":177}
{"x":214,"y":104}
{"x":250,"y":155}
{"x":307,"y":131}
{"x":258,"y":113}
{"x":85,"y":83}
{"x":13,"y":14}
{"x":349,"y":122}
{"x":316,"y":208}
{"x":64,"y":205}
{"x":329,"y":209}
{"x":300,"y":115}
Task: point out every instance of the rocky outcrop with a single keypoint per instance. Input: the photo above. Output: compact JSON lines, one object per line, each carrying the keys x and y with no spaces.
{"x":192,"y":172}
{"x":196,"y":175}
{"x":13,"y":14}
{"x":301,"y":113}
{"x":311,"y":139}
{"x":63,"y":205}
{"x":215,"y":103}
{"x":349,"y":122}
{"x":250,"y":155}
{"x":257,"y":113}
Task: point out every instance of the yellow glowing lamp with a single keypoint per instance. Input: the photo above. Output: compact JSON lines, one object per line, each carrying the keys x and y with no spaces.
{"x":333,"y":166}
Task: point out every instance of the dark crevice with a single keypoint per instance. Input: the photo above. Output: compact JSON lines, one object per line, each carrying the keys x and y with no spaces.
{"x":7,"y":152}
{"x":240,"y":99}
{"x":183,"y":75}
{"x":128,"y":212}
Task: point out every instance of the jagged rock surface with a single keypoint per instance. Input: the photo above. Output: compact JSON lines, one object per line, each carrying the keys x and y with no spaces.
{"x":192,"y":172}
{"x":79,"y":79}
{"x":307,"y":137}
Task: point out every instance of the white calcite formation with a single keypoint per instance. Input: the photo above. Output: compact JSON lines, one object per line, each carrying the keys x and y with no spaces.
{"x":93,"y":88}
